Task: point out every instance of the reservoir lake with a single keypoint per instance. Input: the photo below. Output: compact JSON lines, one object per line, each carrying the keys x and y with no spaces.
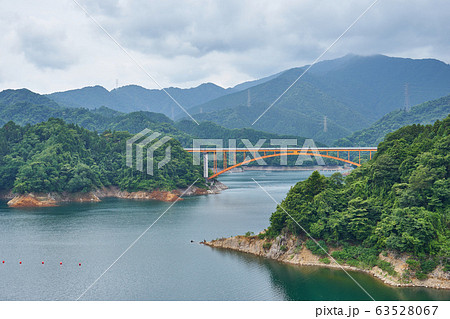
{"x":164,"y":264}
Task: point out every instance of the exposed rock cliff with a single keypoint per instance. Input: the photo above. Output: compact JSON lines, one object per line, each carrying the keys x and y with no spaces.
{"x":31,"y":200}
{"x":166,"y":196}
{"x":50,"y":199}
{"x":290,"y":250}
{"x":53,"y":199}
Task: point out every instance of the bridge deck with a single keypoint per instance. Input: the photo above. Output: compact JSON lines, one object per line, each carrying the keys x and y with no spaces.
{"x":279,"y":149}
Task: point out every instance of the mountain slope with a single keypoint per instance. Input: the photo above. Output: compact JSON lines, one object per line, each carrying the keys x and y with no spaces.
{"x":301,"y":109}
{"x":351,"y":92}
{"x":425,"y":113}
{"x":23,"y":106}
{"x":248,"y":84}
{"x":9,"y":97}
{"x":375,"y":85}
{"x":89,"y":97}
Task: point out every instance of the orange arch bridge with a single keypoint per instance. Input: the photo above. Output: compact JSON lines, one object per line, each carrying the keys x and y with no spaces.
{"x":228,"y":155}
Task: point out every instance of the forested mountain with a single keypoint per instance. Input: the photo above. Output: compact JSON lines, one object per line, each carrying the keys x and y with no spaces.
{"x":57,"y":157}
{"x":333,"y":100}
{"x":132,"y":98}
{"x":287,"y":116}
{"x":25,"y":107}
{"x":398,"y":201}
{"x":351,"y":92}
{"x":425,"y":113}
{"x":25,"y":96}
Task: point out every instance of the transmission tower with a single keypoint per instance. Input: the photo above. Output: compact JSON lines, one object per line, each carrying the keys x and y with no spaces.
{"x":248,"y":98}
{"x":325,"y":128}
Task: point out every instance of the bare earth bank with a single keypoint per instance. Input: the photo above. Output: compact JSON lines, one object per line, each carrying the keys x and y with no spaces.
{"x":53,"y":199}
{"x":300,"y":255}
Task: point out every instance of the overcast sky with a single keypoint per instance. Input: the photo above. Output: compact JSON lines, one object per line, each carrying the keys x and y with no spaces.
{"x":52,"y":45}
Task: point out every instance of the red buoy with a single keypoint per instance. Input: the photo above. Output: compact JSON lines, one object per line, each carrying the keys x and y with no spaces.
{"x":79,"y":264}
{"x":42,"y":262}
{"x":20,"y":263}
{"x":60,"y":263}
{"x":3,"y":262}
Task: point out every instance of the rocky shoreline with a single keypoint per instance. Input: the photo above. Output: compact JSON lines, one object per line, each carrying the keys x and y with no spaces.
{"x":54,"y":199}
{"x":287,"y":250}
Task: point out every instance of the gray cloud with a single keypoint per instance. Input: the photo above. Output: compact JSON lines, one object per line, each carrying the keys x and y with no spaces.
{"x":291,"y":31}
{"x":185,"y":43}
{"x":44,"y":47}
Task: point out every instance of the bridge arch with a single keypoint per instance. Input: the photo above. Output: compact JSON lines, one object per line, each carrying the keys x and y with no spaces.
{"x":281,"y":154}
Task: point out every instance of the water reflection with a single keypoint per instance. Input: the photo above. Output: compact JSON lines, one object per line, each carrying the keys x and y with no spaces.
{"x":320,"y":283}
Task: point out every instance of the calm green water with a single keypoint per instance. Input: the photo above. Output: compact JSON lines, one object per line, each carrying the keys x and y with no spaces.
{"x":164,"y":264}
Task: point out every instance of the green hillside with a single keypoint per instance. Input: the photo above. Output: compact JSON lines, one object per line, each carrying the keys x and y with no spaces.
{"x":26,"y":107}
{"x":399,"y":201}
{"x":425,"y":113}
{"x":57,"y":157}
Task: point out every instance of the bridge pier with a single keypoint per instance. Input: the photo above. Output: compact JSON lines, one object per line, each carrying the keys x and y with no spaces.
{"x":205,"y":165}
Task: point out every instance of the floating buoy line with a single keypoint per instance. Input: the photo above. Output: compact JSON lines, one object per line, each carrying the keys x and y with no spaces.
{"x":42,"y":263}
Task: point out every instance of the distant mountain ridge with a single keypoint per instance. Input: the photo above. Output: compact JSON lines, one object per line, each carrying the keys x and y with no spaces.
{"x":332,"y":100}
{"x":132,"y":98}
{"x":26,"y":107}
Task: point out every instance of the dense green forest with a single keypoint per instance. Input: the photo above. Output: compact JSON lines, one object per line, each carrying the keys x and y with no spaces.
{"x":425,"y":113}
{"x":398,"y":201}
{"x":54,"y":156}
